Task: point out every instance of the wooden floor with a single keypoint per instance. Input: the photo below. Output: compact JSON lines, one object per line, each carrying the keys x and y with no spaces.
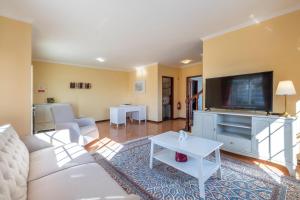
{"x":134,"y":130}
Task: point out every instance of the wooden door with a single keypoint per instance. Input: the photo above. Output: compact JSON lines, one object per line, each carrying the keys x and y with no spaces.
{"x":167,"y":98}
{"x":192,"y":90}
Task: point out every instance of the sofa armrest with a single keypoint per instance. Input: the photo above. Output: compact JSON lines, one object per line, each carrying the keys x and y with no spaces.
{"x":34,"y":143}
{"x":86,"y":121}
{"x":74,"y":130}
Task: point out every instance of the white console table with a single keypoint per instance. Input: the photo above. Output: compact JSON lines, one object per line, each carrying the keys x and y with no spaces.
{"x":42,"y":117}
{"x":271,"y":138}
{"x":118,"y":114}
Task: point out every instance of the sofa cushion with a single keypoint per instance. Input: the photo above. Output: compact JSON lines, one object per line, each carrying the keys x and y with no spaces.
{"x":50,"y":160}
{"x":14,"y":165}
{"x":89,"y":181}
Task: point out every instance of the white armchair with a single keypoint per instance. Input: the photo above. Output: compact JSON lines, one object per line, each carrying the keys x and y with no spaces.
{"x":82,"y":130}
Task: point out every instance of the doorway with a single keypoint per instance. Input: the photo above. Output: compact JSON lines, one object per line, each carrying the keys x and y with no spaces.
{"x":194,"y":90}
{"x":167,"y":97}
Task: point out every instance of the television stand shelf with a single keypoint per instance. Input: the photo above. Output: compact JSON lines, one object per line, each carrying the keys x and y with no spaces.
{"x":269,"y":138}
{"x":237,"y":125}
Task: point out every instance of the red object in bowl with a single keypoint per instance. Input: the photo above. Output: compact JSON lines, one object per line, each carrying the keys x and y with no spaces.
{"x":180,"y":157}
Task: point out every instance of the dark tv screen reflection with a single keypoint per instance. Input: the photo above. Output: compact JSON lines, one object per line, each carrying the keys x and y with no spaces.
{"x":249,"y":91}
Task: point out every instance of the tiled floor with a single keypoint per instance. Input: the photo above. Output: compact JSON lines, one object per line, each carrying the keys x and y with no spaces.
{"x":135,"y":130}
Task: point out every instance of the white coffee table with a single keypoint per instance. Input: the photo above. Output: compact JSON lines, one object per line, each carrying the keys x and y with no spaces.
{"x":195,"y":148}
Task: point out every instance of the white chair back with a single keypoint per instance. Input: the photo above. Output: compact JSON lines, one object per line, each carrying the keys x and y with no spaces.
{"x":62,"y":113}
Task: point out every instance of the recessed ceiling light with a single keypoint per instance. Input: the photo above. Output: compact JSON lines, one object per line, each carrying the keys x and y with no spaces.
{"x":187,"y":61}
{"x":100,"y":59}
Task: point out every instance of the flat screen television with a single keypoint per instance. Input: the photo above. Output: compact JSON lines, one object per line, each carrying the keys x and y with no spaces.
{"x":249,"y":91}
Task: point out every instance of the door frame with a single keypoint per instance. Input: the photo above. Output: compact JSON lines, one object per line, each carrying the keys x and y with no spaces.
{"x":187,"y":116}
{"x":172,"y":96}
{"x":187,"y":84}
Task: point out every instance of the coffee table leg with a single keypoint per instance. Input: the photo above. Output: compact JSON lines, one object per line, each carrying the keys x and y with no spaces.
{"x":151,"y":155}
{"x":201,"y":180}
{"x":218,"y":161}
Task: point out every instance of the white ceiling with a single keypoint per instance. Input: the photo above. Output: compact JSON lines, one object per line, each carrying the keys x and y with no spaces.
{"x":130,"y":33}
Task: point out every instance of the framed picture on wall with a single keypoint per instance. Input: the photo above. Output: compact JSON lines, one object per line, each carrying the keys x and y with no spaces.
{"x":80,"y":85}
{"x":139,"y":86}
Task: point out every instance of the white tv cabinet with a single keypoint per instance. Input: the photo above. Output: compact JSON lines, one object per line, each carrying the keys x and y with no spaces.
{"x":269,"y":138}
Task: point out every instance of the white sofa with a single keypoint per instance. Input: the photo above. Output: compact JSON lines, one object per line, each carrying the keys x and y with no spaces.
{"x":34,"y":170}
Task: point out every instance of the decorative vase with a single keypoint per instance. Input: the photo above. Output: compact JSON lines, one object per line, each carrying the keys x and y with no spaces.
{"x":180,"y":157}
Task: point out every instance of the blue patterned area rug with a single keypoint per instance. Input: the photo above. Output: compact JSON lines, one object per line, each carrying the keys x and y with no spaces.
{"x":240,"y":181}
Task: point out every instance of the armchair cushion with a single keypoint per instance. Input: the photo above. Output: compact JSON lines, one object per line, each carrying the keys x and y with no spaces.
{"x":74,"y":130}
{"x":87,"y":130}
{"x":89,"y":134}
{"x":85,"y":121}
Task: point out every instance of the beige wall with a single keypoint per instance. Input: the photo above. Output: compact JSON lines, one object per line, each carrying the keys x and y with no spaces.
{"x":186,"y":71}
{"x":270,"y":45}
{"x":109,"y":88}
{"x":15,"y":74}
{"x":150,"y":98}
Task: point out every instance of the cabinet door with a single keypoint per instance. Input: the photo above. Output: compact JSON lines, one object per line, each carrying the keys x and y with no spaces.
{"x":208,"y":126}
{"x":43,"y":118}
{"x":204,"y":125}
{"x":277,"y":141}
{"x":261,"y":131}
{"x":197,"y":124}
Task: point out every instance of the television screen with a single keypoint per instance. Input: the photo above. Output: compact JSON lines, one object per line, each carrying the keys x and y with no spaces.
{"x":249,"y":91}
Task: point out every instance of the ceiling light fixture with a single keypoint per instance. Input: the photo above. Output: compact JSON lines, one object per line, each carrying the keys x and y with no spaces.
{"x":100,"y":59}
{"x":186,"y":61}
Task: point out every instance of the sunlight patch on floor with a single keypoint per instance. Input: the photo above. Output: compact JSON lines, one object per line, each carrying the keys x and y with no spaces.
{"x":273,"y":172}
